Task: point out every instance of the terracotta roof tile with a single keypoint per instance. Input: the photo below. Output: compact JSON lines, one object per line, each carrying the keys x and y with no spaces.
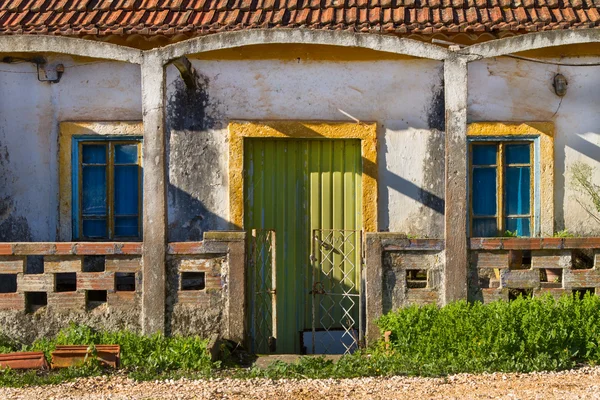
{"x":171,"y":17}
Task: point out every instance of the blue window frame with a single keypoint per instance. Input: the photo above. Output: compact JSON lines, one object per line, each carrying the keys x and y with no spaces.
{"x":502,"y":188}
{"x":107,"y":188}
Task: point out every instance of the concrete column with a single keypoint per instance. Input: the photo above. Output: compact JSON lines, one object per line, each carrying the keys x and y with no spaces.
{"x":373,"y":285}
{"x":456,"y":206}
{"x":155,"y":195}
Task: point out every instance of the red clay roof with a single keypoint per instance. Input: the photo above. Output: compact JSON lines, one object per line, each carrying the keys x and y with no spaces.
{"x":194,"y":17}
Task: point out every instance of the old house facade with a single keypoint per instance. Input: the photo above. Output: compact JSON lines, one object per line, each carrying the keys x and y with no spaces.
{"x":281,"y":174}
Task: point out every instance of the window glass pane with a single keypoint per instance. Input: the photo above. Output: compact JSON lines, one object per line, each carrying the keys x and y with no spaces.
{"x":517,"y":153}
{"x":484,"y":154}
{"x":126,"y":189}
{"x":94,"y":153}
{"x":518,"y":190}
{"x":126,"y":226}
{"x":94,"y":228}
{"x":126,"y":154}
{"x":519,"y":225}
{"x":484,"y":227}
{"x":484,"y":191}
{"x":94,"y":191}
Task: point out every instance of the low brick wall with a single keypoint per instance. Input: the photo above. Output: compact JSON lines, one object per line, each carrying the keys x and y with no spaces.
{"x":503,"y":268}
{"x":94,"y":283}
{"x":412,"y":271}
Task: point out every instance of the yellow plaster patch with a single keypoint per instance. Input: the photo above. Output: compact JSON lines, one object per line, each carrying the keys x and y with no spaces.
{"x":66,"y":133}
{"x":545,"y":131}
{"x":366,"y":132}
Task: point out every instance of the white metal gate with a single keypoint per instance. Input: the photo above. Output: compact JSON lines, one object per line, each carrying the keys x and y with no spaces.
{"x":337,"y":324}
{"x":262,"y":292}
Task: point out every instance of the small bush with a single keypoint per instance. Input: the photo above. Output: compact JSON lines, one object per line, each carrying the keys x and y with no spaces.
{"x":522,"y":335}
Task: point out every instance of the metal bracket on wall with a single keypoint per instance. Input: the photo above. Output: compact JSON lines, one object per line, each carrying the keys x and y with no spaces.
{"x":40,"y":63}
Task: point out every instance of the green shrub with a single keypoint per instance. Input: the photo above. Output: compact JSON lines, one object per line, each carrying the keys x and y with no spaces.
{"x":522,"y":335}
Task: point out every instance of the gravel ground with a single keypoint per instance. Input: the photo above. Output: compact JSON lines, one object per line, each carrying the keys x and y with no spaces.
{"x":577,"y":384}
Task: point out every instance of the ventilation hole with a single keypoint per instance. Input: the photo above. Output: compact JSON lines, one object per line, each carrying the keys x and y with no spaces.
{"x":520,"y":259}
{"x":8,"y":283}
{"x":416,"y":278}
{"x":95,"y":298}
{"x":125,"y":281}
{"x":34,"y":265}
{"x":580,"y":293}
{"x":583,"y":259}
{"x":94,"y":263}
{"x":526,"y":260}
{"x":65,"y":282}
{"x":35,"y":300}
{"x":551,"y":277}
{"x":514,"y":294}
{"x":192,"y":281}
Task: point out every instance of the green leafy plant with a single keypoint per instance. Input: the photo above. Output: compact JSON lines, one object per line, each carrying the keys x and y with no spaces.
{"x":563,"y":234}
{"x":581,"y":181}
{"x":508,"y":233}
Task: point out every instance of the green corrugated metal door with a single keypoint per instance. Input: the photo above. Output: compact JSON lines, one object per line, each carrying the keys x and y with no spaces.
{"x":293,"y":187}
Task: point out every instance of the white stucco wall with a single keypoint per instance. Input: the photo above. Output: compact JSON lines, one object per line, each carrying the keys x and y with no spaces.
{"x":507,"y":89}
{"x":400,"y":95}
{"x":29,"y":115}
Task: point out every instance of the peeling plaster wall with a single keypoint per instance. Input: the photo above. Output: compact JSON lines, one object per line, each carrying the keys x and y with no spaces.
{"x":505,"y":89}
{"x":404,"y":97}
{"x":29,"y":115}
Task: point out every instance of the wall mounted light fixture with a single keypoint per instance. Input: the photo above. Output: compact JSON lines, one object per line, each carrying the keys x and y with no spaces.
{"x":560,"y":85}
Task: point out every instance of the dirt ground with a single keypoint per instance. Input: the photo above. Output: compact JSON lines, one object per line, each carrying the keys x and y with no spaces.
{"x":583,"y":383}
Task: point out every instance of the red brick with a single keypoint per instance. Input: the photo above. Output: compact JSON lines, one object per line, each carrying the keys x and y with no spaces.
{"x":491,"y":295}
{"x":129,"y":248}
{"x":582,"y":243}
{"x":56,"y":264}
{"x":12,"y":265}
{"x":197,"y":264}
{"x":486,"y":244}
{"x":550,"y":259}
{"x":196,"y":297}
{"x":122,"y":299}
{"x":96,"y":281}
{"x":34,"y":248}
{"x":581,"y":278}
{"x":95,"y":248}
{"x":6,"y":249}
{"x":67,"y":301}
{"x":185,"y":248}
{"x":489,"y":259}
{"x":123,"y":264}
{"x":552,"y":243}
{"x":65,"y":248}
{"x":421,"y":296}
{"x":35,"y":283}
{"x":520,"y":279}
{"x":522,"y":243}
{"x":12,"y":301}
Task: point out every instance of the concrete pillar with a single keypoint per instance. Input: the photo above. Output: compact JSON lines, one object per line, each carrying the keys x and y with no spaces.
{"x":155,"y":195}
{"x":456,"y":206}
{"x":373,"y":285}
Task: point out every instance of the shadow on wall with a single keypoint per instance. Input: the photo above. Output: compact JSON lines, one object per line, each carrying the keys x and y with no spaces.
{"x":189,"y":218}
{"x":194,"y":156}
